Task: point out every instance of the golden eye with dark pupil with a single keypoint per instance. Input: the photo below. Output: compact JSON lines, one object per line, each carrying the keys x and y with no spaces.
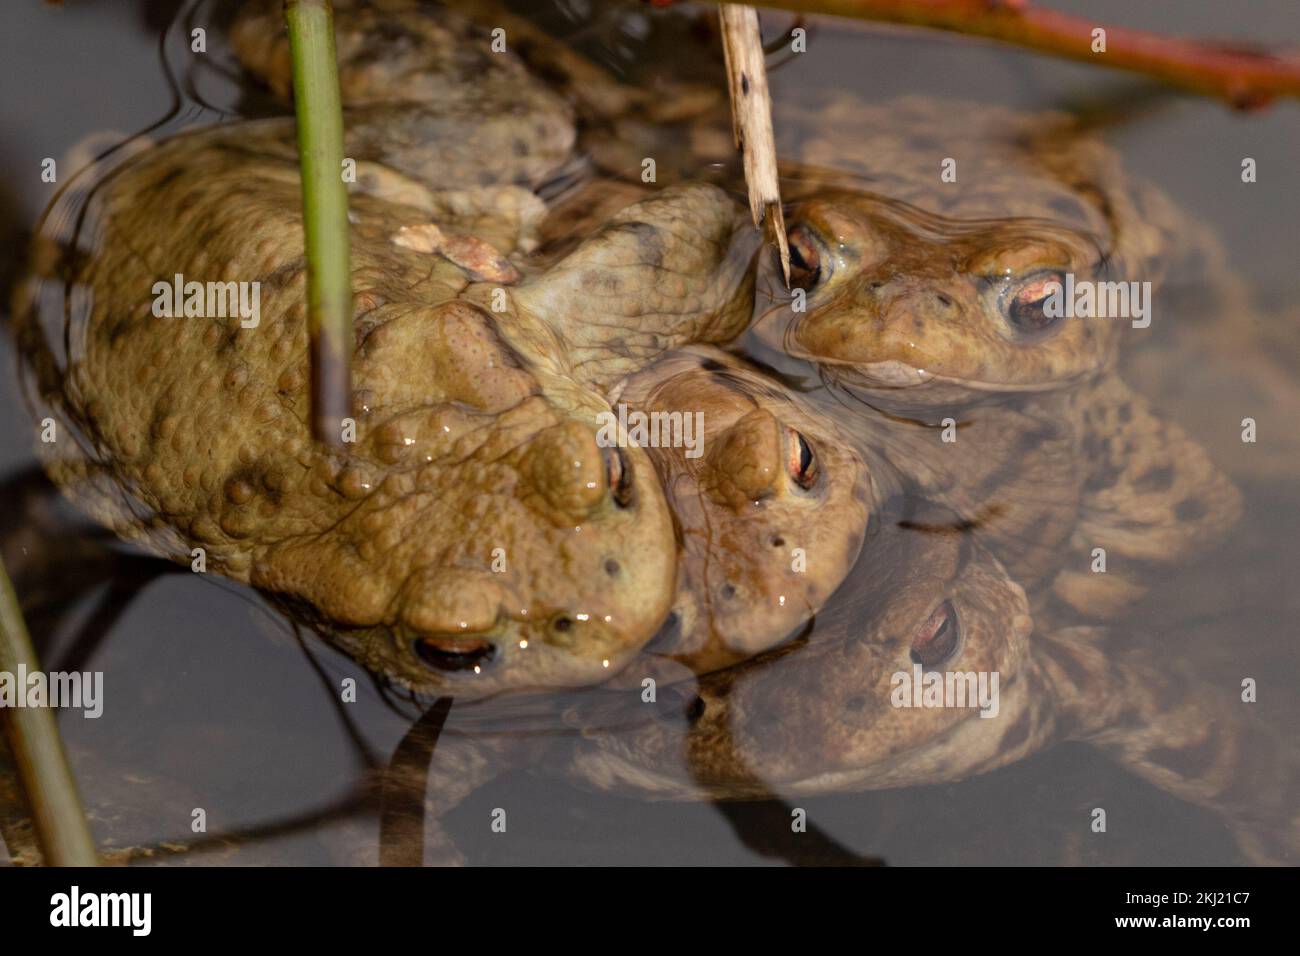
{"x":805,"y":259}
{"x":619,"y":477}
{"x":937,"y":638}
{"x":1027,"y":303}
{"x":801,"y":460}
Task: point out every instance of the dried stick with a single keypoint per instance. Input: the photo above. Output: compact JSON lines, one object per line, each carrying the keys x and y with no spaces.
{"x":751,"y":113}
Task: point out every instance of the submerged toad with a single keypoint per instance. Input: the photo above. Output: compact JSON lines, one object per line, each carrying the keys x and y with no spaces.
{"x":928,"y":667}
{"x":872,"y":702}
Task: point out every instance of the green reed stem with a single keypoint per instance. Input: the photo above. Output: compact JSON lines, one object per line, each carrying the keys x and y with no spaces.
{"x":33,"y":737}
{"x":325,"y":213}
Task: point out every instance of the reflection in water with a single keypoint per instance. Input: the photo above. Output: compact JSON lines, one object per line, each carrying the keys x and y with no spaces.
{"x":43,"y":542}
{"x":402,"y":824}
{"x":400,"y":790}
{"x":971,"y":561}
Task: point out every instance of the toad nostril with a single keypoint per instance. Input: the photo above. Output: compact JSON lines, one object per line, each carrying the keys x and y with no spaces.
{"x":667,"y":634}
{"x":681,"y":701}
{"x":695,"y":709}
{"x":611,"y":567}
{"x":778,"y":541}
{"x":728,"y":591}
{"x":454,"y":653}
{"x":562,"y":630}
{"x":944,"y":300}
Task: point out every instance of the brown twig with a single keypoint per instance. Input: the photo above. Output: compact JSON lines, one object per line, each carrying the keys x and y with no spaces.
{"x":751,"y":112}
{"x":1245,"y":76}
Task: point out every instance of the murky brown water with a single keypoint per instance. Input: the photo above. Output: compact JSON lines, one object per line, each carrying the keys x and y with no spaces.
{"x":214,"y":701}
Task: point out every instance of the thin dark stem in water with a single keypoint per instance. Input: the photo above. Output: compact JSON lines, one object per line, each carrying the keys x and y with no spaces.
{"x":361,"y":748}
{"x":401,"y":820}
{"x":348,"y":805}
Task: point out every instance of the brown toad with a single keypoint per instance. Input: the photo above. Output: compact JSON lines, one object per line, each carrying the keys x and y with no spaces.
{"x":928,"y":667}
{"x":929,"y":302}
{"x":770,"y":500}
{"x":872,"y":702}
{"x":474,"y":538}
{"x":478,"y":538}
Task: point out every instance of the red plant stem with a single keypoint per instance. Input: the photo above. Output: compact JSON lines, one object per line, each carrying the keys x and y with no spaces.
{"x":1244,"y":76}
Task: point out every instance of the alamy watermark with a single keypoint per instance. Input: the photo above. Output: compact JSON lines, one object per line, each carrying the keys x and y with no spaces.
{"x":922,"y":688}
{"x":72,"y":690}
{"x":213,"y":300}
{"x":1099,"y":300}
{"x":652,"y":430}
{"x":74,"y":908}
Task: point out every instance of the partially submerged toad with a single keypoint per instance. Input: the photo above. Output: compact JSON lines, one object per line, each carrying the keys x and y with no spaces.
{"x":495,"y":450}
{"x":930,"y":675}
{"x":934,"y":299}
{"x":929,"y":667}
{"x":478,"y":537}
{"x":474,"y":538}
{"x":771,"y":505}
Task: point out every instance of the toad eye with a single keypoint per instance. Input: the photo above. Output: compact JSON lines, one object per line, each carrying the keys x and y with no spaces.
{"x":805,"y":258}
{"x":936,"y":640}
{"x":453,"y":653}
{"x":1025,"y":303}
{"x":801,"y":460}
{"x":619,"y":477}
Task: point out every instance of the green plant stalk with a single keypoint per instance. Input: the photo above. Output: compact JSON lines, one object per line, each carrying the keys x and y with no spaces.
{"x":33,"y":737}
{"x":325,"y":213}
